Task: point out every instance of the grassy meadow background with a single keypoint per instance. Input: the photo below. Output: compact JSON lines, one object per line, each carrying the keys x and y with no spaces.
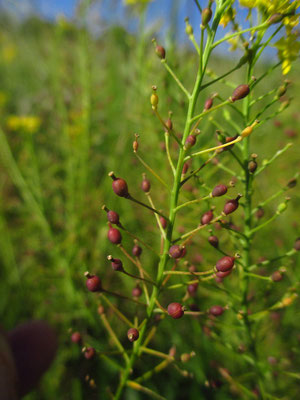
{"x":70,"y":103}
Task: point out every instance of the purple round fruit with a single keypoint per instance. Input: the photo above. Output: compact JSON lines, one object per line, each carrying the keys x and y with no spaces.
{"x":175,"y":310}
{"x":114,"y":236}
{"x":225,"y":263}
{"x":219,"y":190}
{"x":133,"y":334}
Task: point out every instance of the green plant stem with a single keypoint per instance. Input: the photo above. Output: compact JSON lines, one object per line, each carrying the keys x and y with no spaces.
{"x":167,"y":137}
{"x":146,"y":206}
{"x":117,"y":311}
{"x":173,"y":200}
{"x":176,"y":79}
{"x":259,"y":227}
{"x":188,"y":203}
{"x":114,"y":337}
{"x":272,"y":260}
{"x":151,"y":170}
{"x":224,"y":103}
{"x":254,"y":28}
{"x":247,"y":240}
{"x":162,"y":231}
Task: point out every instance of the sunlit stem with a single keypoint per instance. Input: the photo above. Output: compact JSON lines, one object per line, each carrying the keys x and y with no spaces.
{"x":265,"y":278}
{"x":114,"y":337}
{"x":146,"y":206}
{"x":198,"y":169}
{"x":210,"y":271}
{"x":162,"y":231}
{"x":138,"y":239}
{"x":165,"y":126}
{"x":188,"y":203}
{"x":187,"y":236}
{"x":151,"y":170}
{"x":116,"y":310}
{"x":143,"y":281}
{"x":125,"y":297}
{"x":254,"y":28}
{"x":168,"y":152}
{"x":132,"y":260}
{"x":237,"y":140}
{"x":210,"y":110}
{"x":176,"y":79}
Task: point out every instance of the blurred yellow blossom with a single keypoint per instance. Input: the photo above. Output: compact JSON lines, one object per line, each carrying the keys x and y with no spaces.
{"x":132,"y":2}
{"x":9,"y":53}
{"x":227,"y":16}
{"x":26,"y":123}
{"x":288,"y":49}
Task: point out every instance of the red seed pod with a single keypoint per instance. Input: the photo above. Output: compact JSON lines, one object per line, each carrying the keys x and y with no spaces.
{"x":133,"y":334}
{"x":240,"y":92}
{"x":161,"y":52}
{"x":228,"y":140}
{"x":252,"y":165}
{"x":259,"y":213}
{"x":292,"y":183}
{"x":89,"y":353}
{"x":183,"y":252}
{"x":206,"y":16}
{"x":185,"y":168}
{"x":218,"y":279}
{"x":146,"y":185}
{"x":230,"y":206}
{"x":100,"y":310}
{"x":136,"y":291}
{"x":275,"y":18}
{"x":192,"y":289}
{"x":117,"y":264}
{"x":136,"y":250}
{"x":213,"y":241}
{"x":219,"y":190}
{"x":119,"y":186}
{"x":216,"y":310}
{"x":93,"y":283}
{"x":175,"y":310}
{"x":221,"y":274}
{"x":114,"y":236}
{"x":176,"y":251}
{"x":169,"y":124}
{"x":297,"y":244}
{"x":225,"y":263}
{"x":163,"y":222}
{"x":276,"y":276}
{"x":192,"y":268}
{"x":193,"y":307}
{"x":208,"y":104}
{"x":135,"y":146}
{"x":113,"y":217}
{"x":190,"y":141}
{"x":207,"y":217}
{"x":76,"y":337}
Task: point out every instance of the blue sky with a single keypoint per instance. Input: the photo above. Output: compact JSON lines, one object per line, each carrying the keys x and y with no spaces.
{"x":114,"y":12}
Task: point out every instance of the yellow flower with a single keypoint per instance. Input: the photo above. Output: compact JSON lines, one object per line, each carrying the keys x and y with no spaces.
{"x":132,"y":2}
{"x":227,"y":16}
{"x":248,"y":3}
{"x":288,"y":49}
{"x":26,"y":123}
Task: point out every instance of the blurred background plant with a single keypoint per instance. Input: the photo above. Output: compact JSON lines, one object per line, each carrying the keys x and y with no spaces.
{"x":74,"y":89}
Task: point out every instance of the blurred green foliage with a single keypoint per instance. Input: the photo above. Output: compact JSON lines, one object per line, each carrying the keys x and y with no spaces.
{"x":86,"y":98}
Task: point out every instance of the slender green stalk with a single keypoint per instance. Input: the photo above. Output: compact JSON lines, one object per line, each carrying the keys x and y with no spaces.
{"x":176,"y":79}
{"x":173,"y":203}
